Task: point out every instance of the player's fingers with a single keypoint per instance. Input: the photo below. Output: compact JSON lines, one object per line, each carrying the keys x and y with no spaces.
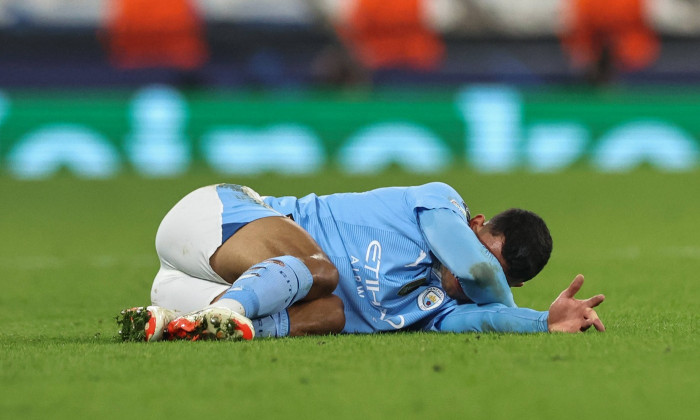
{"x":598,"y":324}
{"x":585,"y":325}
{"x":592,"y":318}
{"x":594,"y":301}
{"x":574,"y":287}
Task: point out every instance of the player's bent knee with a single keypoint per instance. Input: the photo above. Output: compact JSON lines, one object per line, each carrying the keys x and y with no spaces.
{"x":325,"y":275}
{"x":329,"y":277}
{"x":336,"y":314}
{"x":321,"y":316}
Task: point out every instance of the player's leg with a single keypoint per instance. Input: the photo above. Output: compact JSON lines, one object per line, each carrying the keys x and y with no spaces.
{"x":317,"y":317}
{"x":175,"y":298}
{"x":321,"y":316}
{"x":187,"y":237}
{"x":184,"y":294}
{"x":188,"y":295}
{"x":272,"y":260}
{"x":273,"y":263}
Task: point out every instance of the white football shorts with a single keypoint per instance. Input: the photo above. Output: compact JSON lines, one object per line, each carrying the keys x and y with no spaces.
{"x":187,"y":238}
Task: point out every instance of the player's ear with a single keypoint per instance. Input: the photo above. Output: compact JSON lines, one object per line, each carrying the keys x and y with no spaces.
{"x":477,"y":222}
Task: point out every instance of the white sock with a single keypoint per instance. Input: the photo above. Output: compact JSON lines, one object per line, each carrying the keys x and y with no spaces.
{"x":231,"y":304}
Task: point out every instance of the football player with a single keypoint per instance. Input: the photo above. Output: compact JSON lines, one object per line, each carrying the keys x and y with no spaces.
{"x":235,"y":265}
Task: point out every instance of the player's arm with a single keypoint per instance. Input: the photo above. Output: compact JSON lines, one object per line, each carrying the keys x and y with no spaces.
{"x":457,"y":247}
{"x":493,"y":317}
{"x":566,"y":314}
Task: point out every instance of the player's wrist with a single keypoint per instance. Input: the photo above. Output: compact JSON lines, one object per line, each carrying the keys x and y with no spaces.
{"x":543,"y":322}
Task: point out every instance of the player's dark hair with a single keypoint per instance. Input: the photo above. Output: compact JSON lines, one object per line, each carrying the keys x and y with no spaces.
{"x":528,"y":243}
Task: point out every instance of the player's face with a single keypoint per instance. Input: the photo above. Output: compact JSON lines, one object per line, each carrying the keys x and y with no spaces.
{"x":493,"y":243}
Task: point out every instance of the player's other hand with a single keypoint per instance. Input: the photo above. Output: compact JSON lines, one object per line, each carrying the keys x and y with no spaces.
{"x":571,"y":315}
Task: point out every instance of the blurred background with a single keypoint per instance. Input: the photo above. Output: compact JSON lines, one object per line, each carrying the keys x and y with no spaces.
{"x":584,"y":111}
{"x":164,"y":87}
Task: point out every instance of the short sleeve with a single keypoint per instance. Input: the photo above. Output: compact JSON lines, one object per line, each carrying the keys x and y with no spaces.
{"x":437,"y":195}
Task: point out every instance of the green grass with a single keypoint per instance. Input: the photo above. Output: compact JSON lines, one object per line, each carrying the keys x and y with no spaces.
{"x":73,"y":253}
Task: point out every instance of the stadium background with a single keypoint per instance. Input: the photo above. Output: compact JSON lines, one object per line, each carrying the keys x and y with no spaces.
{"x":587,"y":112}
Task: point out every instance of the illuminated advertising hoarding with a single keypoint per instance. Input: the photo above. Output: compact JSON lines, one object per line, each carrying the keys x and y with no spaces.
{"x":159,"y":131}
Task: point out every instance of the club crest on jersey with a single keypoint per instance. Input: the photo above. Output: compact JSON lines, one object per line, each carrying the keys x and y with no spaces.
{"x":430,"y":298}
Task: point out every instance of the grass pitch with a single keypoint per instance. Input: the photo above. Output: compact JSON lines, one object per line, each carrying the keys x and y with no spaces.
{"x":73,"y":253}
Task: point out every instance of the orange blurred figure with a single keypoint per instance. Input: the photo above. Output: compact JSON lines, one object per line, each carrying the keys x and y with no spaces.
{"x":391,"y":34}
{"x":602,"y":35}
{"x":155,"y":33}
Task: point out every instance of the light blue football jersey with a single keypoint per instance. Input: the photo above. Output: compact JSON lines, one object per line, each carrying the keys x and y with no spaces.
{"x":374,"y":239}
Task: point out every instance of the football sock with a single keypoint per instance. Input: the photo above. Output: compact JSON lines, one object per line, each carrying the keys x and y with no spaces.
{"x":269,"y":287}
{"x":276,"y":325}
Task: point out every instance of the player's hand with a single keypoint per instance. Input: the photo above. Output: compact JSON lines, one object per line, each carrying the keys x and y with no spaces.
{"x":567,"y":314}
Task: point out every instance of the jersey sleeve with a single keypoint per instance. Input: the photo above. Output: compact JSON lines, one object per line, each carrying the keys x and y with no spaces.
{"x":490,"y":318}
{"x":457,"y":247}
{"x":437,"y":195}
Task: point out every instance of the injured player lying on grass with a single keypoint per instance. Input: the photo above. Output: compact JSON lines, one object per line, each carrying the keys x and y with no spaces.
{"x":235,"y":265}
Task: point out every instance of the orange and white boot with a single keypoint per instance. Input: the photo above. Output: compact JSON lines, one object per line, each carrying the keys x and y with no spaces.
{"x":144,"y":323}
{"x":211,"y":323}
